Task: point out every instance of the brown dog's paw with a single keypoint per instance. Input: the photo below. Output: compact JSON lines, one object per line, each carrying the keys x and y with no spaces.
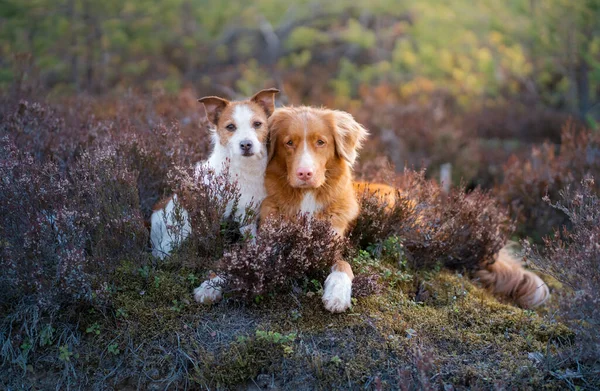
{"x":337,"y":295}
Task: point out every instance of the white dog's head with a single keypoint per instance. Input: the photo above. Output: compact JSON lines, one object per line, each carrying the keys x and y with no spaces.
{"x":241,"y":127}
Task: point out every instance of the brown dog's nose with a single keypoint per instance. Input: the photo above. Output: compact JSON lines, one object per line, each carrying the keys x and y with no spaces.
{"x":304,"y":173}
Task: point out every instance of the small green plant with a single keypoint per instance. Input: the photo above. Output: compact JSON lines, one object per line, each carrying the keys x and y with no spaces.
{"x":193,"y":279}
{"x":393,"y":249}
{"x":47,"y":335}
{"x":316,"y":284}
{"x":144,"y":271}
{"x":336,"y":360}
{"x":93,"y":329}
{"x":177,"y":306}
{"x":26,"y":346}
{"x":156,"y":282}
{"x":296,"y":315}
{"x":386,"y":259}
{"x":277,"y":338}
{"x":65,"y":353}
{"x":121,"y":313}
{"x":114,"y":349}
{"x":429,"y":274}
{"x":364,"y":261}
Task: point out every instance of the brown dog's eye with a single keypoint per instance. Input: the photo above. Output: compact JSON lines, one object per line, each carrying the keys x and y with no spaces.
{"x":290,"y":143}
{"x":320,"y":143}
{"x":230,"y":127}
{"x":257,"y":124}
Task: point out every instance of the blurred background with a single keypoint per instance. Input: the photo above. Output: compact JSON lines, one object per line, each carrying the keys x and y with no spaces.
{"x":530,"y":52}
{"x":470,"y":84}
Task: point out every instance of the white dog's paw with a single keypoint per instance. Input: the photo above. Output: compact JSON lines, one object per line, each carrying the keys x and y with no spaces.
{"x":210,"y":291}
{"x":337,"y":292}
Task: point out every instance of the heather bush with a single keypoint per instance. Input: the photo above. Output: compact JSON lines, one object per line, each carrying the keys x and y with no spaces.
{"x":211,"y":202}
{"x":153,"y":156}
{"x":283,"y":252}
{"x":38,"y":255}
{"x":150,"y":136}
{"x":547,"y":170}
{"x":38,"y":129}
{"x":420,"y":135}
{"x":65,"y":232}
{"x":572,"y":256}
{"x":457,"y":230}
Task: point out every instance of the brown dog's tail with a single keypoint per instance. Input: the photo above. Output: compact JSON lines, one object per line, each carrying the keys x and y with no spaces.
{"x":506,"y":277}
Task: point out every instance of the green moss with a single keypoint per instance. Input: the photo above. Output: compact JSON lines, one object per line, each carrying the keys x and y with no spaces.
{"x":473,"y":339}
{"x":154,"y":300}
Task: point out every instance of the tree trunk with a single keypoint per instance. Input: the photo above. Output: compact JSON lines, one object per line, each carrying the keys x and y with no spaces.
{"x":583,"y":87}
{"x":73,"y":46}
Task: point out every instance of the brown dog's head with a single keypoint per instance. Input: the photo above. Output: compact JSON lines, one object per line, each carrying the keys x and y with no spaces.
{"x":311,"y":141}
{"x":241,"y":127}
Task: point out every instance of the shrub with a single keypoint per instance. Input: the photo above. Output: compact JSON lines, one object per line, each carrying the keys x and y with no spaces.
{"x":284,"y":251}
{"x":457,"y":229}
{"x":36,"y":256}
{"x":38,"y":129}
{"x":142,"y":131}
{"x":417,"y":135}
{"x":65,"y":232}
{"x":547,"y":170}
{"x":573,"y":258}
{"x":211,"y":201}
{"x":63,"y":235}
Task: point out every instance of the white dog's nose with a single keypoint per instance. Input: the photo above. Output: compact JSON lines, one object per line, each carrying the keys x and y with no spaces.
{"x":246,"y":146}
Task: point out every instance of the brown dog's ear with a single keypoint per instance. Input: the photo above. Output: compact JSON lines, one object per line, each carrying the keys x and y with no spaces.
{"x":271,"y":141}
{"x":214,"y":106}
{"x":266,"y":100}
{"x":276,"y":122}
{"x":348,"y":134}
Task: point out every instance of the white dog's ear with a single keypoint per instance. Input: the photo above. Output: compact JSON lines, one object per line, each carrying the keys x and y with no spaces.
{"x":266,"y":100}
{"x":349,"y":135}
{"x":214,"y":106}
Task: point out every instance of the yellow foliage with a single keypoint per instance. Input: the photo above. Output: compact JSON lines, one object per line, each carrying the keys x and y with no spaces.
{"x":355,"y":33}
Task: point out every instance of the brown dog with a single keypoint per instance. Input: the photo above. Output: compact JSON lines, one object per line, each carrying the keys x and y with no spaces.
{"x":311,"y":155}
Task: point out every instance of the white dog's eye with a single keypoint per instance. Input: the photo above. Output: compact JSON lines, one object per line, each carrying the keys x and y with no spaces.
{"x":257,"y":124}
{"x":290,"y":143}
{"x":320,"y":143}
{"x":230,"y":127}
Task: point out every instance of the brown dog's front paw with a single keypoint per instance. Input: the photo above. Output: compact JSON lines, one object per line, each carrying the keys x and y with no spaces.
{"x":337,"y":295}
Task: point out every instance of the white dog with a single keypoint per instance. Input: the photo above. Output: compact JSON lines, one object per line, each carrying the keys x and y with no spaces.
{"x":239,"y":136}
